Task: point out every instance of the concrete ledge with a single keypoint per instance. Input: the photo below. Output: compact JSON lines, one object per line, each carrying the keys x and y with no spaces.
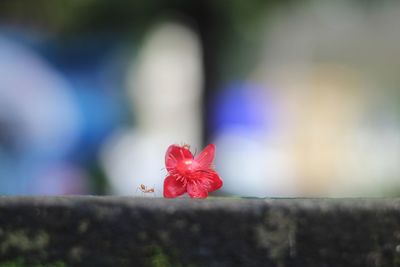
{"x":118,"y":231}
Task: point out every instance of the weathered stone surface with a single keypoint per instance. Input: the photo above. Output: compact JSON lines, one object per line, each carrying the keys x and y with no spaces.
{"x":118,"y":231}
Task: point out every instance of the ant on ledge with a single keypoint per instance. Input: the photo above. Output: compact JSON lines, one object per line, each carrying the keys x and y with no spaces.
{"x":146,"y":190}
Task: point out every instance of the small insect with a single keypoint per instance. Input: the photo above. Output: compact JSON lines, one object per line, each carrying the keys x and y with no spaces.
{"x":145,"y":189}
{"x":186,"y":146}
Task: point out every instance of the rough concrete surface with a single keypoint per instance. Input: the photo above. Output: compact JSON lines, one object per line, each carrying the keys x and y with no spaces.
{"x":125,"y":231}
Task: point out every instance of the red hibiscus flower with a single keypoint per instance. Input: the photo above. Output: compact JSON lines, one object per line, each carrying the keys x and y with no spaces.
{"x":194,"y":175}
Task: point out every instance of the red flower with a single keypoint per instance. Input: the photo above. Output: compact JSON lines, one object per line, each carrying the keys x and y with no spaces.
{"x":190,"y":174}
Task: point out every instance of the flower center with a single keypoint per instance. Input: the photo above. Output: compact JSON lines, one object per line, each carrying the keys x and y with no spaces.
{"x":185,"y":166}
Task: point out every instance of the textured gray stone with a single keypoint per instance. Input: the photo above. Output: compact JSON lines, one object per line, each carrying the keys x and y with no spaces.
{"x":124,"y":231}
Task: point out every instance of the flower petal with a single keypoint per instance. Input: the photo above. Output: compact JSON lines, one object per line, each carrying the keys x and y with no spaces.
{"x":173,"y":188}
{"x":209,"y":179}
{"x":216,"y":181}
{"x":197,"y":190}
{"x":206,"y":157}
{"x":174,"y":155}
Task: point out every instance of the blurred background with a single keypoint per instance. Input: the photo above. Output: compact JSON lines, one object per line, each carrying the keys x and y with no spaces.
{"x":302,"y":98}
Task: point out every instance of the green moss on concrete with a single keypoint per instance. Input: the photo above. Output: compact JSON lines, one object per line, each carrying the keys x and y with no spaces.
{"x":19,"y":262}
{"x":13,"y":263}
{"x":23,"y":241}
{"x":83,"y":226}
{"x":277,"y":236}
{"x":159,"y":257}
{"x":114,"y":231}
